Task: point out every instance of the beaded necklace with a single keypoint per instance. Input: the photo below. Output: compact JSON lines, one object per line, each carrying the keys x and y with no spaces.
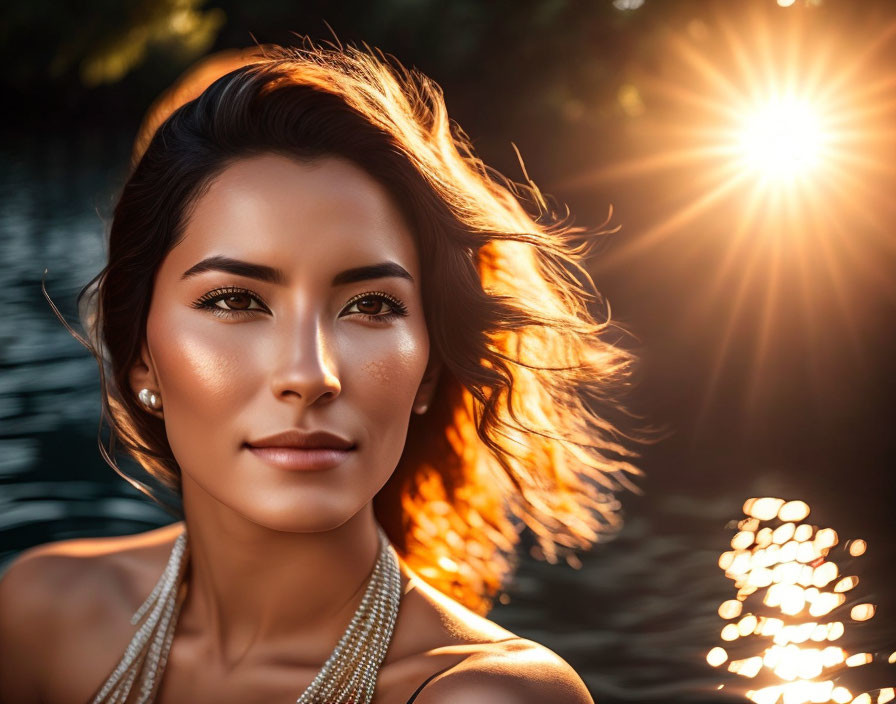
{"x":347,"y":677}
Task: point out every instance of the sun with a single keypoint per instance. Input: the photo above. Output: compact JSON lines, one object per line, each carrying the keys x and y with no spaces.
{"x":761,"y":148}
{"x":782,"y":140}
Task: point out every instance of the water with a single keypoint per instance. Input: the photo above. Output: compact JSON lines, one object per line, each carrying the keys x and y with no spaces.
{"x":55,"y":191}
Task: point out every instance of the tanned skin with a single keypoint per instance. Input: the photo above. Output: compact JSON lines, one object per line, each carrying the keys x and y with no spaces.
{"x":279,"y":558}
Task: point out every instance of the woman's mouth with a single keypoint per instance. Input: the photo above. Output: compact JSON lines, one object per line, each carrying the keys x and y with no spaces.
{"x":301,"y":459}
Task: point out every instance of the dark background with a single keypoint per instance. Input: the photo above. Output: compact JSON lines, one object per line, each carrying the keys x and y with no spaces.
{"x":766,"y":342}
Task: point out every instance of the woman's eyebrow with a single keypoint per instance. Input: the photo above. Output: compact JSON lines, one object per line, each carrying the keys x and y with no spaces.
{"x":276,"y":276}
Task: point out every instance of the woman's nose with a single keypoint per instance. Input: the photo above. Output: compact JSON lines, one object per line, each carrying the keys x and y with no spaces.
{"x":307,"y":365}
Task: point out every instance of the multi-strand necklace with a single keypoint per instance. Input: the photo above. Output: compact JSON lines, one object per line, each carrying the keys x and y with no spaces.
{"x":347,"y":677}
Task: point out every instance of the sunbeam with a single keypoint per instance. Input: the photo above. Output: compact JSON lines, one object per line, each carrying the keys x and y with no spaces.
{"x":764,"y":142}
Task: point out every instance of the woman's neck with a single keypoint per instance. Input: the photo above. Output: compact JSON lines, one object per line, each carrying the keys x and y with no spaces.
{"x":255,"y":593}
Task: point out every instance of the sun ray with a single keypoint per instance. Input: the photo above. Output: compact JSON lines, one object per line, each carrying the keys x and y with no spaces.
{"x":644,"y":165}
{"x":841,"y":83}
{"x":720,"y":358}
{"x":686,"y":214}
{"x":734,"y":251}
{"x":840,"y":288}
{"x":779,"y":129}
{"x":706,"y":69}
{"x":766,"y":327}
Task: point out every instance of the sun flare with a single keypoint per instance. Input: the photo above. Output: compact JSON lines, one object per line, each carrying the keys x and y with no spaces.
{"x":760,"y":151}
{"x":782,"y":140}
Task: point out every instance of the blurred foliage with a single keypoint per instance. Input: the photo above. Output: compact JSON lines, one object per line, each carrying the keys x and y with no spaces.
{"x":175,"y":26}
{"x":520,"y":68}
{"x":538,"y":54}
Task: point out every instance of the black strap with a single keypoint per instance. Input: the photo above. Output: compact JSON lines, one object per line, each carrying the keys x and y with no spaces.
{"x":426,"y":681}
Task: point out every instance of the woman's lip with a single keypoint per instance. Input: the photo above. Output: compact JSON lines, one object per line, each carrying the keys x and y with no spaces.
{"x":297,"y":458}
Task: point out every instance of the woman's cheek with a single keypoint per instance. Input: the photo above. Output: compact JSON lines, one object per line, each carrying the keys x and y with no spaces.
{"x":378,"y":371}
{"x":401,"y":364}
{"x":206,"y":369}
{"x":394,"y":376}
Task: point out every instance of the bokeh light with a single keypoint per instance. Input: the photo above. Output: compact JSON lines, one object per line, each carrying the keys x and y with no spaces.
{"x":789,"y":608}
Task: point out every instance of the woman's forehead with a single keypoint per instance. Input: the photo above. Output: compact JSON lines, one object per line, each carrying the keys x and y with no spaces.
{"x":320,"y":214}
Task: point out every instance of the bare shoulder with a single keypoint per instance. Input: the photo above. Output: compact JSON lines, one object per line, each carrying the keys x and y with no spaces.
{"x":52,"y":592}
{"x":49,"y":579}
{"x":39,"y":590}
{"x":515,"y":672}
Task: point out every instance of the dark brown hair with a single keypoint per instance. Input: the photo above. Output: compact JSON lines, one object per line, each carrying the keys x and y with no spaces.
{"x":512,"y":439}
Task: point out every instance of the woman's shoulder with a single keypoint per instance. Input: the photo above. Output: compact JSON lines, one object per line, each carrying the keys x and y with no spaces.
{"x":76,"y":571}
{"x":495,"y":665}
{"x":66,"y":577}
{"x":518,"y":671}
{"x":51,"y":591}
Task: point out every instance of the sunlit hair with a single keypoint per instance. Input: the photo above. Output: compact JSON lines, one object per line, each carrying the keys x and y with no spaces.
{"x":513,"y":437}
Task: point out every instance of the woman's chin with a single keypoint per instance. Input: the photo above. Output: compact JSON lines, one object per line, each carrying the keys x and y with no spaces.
{"x":298,"y":516}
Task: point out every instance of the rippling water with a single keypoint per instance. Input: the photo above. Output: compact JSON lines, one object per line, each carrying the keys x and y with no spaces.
{"x":56,"y":192}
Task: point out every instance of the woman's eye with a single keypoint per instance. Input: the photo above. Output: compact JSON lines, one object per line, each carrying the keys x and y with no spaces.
{"x":230,"y":302}
{"x":233,"y":302}
{"x":370,"y":304}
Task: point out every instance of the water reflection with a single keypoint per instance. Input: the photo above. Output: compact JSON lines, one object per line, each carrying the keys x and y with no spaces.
{"x":56,"y":193}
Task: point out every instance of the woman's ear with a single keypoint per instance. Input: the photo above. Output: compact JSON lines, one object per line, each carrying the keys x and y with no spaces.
{"x":144,"y":382}
{"x":427,"y":387}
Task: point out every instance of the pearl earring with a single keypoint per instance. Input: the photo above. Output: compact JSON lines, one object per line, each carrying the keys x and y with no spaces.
{"x":150,"y":399}
{"x":421,"y":409}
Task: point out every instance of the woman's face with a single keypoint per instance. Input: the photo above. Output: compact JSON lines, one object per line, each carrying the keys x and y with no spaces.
{"x":316,"y":344}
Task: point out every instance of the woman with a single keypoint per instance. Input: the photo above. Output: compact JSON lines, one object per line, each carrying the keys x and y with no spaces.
{"x":365,"y":368}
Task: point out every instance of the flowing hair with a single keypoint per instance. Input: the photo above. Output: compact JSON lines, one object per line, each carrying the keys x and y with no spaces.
{"x":517,"y":435}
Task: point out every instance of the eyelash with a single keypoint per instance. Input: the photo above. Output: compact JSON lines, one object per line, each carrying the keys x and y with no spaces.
{"x":209,"y":300}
